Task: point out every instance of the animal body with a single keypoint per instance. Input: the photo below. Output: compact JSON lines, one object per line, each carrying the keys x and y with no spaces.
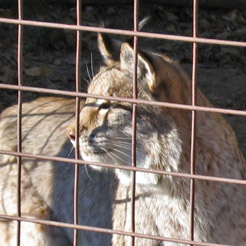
{"x":162,"y":202}
{"x":46,"y":186}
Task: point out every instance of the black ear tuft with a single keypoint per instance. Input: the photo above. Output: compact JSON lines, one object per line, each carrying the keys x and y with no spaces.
{"x":109,"y":48}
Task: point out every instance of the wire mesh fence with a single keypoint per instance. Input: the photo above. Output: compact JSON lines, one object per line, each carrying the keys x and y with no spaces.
{"x":135,"y":101}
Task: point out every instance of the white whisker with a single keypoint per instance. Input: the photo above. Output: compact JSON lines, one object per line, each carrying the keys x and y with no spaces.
{"x":121,"y":146}
{"x":123,"y":138}
{"x":88,"y":175}
{"x":109,"y":154}
{"x":115,"y":157}
{"x":70,"y":151}
{"x":121,"y":142}
{"x":121,"y":152}
{"x":92,"y":70}
{"x":87,"y":81}
{"x":88,"y":73}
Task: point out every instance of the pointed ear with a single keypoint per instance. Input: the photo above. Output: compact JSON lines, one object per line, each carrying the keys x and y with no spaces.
{"x":109,"y":48}
{"x":145,"y":69}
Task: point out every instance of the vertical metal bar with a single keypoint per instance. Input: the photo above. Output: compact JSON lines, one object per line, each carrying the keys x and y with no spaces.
{"x":19,"y":115}
{"x":193,"y":119}
{"x":77,"y":111}
{"x":133,"y":186}
{"x":134,"y":94}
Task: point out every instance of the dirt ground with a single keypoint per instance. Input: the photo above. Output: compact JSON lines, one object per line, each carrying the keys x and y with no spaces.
{"x":49,"y":54}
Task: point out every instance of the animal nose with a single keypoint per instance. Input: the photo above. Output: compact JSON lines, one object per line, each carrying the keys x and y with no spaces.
{"x":71,"y":133}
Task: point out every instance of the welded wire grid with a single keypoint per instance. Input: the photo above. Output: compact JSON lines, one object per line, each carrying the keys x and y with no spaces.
{"x":195,"y":40}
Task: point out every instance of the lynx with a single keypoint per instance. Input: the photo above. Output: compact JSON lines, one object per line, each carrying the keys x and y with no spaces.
{"x":162,"y":143}
{"x":162,"y":202}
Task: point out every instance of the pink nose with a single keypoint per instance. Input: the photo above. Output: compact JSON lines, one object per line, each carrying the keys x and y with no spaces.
{"x":70,"y":133}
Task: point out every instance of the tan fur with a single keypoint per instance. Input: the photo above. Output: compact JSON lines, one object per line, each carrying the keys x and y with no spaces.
{"x":47,"y":187}
{"x":163,"y":143}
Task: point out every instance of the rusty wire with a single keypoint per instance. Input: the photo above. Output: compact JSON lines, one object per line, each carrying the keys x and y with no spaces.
{"x":195,"y":40}
{"x":19,"y":116}
{"x":122,"y":99}
{"x":134,"y":112}
{"x":77,"y":113}
{"x":128,"y":168}
{"x":122,"y":32}
{"x":193,"y":120}
{"x":109,"y":231}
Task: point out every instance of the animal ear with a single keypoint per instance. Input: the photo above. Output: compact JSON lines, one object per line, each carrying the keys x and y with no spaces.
{"x":109,"y":48}
{"x":145,"y":70}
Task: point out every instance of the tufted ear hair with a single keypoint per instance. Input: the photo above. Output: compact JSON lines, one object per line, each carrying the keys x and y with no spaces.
{"x":145,"y":68}
{"x":109,"y":48}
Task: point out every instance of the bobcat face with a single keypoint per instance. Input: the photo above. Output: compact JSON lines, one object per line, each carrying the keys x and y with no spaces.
{"x":106,"y":126}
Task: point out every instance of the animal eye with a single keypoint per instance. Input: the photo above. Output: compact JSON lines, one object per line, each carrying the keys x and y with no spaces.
{"x":105,"y":105}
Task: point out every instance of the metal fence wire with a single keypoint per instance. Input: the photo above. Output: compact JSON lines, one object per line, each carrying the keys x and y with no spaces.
{"x":192,"y":176}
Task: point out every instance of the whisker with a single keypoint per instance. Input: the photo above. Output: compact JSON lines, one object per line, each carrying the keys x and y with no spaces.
{"x":85,"y":166}
{"x":109,"y":154}
{"x":70,"y":151}
{"x":88,"y":175}
{"x":127,"y":147}
{"x":125,"y":143}
{"x":112,"y":157}
{"x":88,"y":73}
{"x":92,"y":70}
{"x":119,"y":141}
{"x":104,"y":150}
{"x":121,"y":152}
{"x":87,"y":81}
{"x":115,"y":157}
{"x":123,"y":138}
{"x":121,"y":146}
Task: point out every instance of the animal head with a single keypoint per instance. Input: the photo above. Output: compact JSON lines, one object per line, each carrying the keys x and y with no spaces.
{"x":106,"y":126}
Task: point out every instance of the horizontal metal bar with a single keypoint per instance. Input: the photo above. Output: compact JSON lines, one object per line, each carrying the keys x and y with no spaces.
{"x":130,"y":100}
{"x":103,"y":230}
{"x":122,"y":99}
{"x":129,"y":168}
{"x":123,"y":32}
